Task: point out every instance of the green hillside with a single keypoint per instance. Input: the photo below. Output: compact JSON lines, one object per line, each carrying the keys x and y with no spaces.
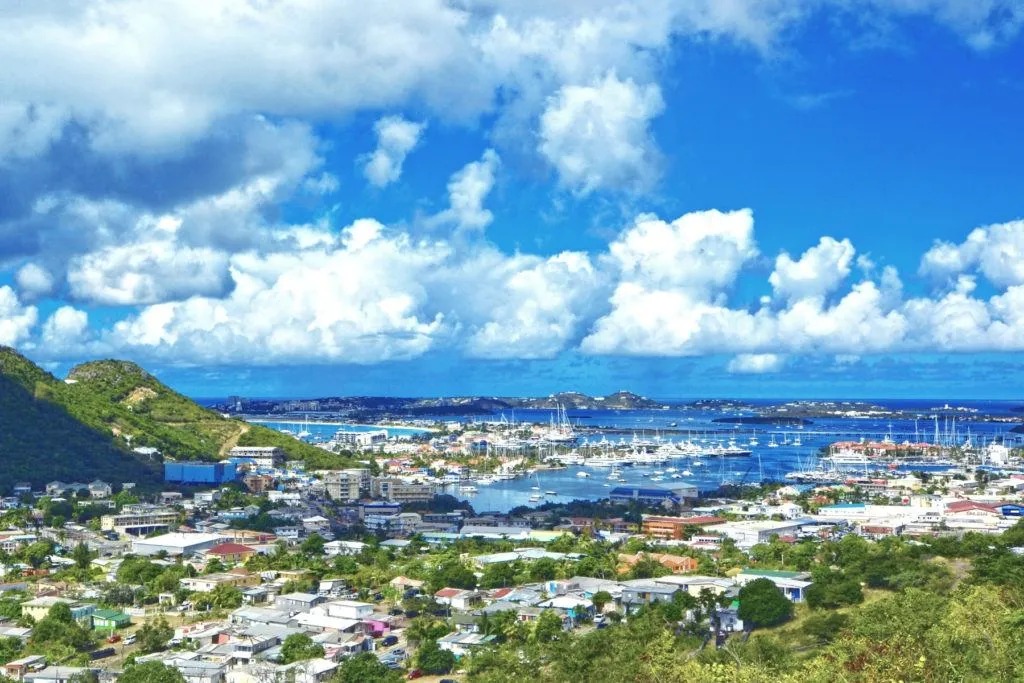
{"x":84,"y":428}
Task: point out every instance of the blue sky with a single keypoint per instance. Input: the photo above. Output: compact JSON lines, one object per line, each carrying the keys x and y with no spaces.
{"x":681,"y":198}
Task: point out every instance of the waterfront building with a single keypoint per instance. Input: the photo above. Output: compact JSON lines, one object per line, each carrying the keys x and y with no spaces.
{"x":655,"y":496}
{"x":361,"y":439}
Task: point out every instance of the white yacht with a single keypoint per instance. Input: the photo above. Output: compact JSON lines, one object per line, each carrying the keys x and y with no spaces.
{"x":583,"y":475}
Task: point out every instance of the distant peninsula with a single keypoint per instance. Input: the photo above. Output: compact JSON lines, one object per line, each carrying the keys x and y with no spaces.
{"x":376,"y":407}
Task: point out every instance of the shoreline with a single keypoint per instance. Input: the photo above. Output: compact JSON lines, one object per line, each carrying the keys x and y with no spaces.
{"x":332,"y":423}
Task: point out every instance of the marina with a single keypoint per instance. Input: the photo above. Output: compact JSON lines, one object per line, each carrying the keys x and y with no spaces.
{"x":542,"y":456}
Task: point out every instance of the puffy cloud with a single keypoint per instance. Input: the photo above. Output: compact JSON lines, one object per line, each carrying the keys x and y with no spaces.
{"x":672,"y":298}
{"x":34,"y":280}
{"x":16,"y":320}
{"x":542,"y":305}
{"x":149,"y":272}
{"x":700,"y":251}
{"x":597,"y":136}
{"x":370,"y":293}
{"x":396,"y":137}
{"x":818,"y":272}
{"x":672,"y":322}
{"x":361,"y":302}
{"x":467,"y":190}
{"x":996,"y":251}
{"x":64,"y":330}
{"x":756,"y":363}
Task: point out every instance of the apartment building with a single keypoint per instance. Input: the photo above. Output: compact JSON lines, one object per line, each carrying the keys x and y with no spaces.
{"x":139,"y":520}
{"x":400,"y":491}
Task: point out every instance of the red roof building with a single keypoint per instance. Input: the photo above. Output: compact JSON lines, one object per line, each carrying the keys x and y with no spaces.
{"x":231,"y":552}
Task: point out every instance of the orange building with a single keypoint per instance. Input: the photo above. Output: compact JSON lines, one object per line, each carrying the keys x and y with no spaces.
{"x":674,"y":528}
{"x":678,"y":564}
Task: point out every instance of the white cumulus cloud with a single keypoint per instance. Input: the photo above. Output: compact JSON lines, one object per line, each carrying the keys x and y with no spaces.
{"x":597,"y":136}
{"x":16,"y":320}
{"x":756,"y":363}
{"x":64,"y":330}
{"x":995,"y":251}
{"x":468,"y":188}
{"x":817,"y":272}
{"x":396,"y":137}
{"x":149,"y":272}
{"x":34,"y":280}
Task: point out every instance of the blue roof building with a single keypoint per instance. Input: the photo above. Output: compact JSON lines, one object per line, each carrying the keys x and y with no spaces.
{"x":199,"y":473}
{"x":644,"y":495}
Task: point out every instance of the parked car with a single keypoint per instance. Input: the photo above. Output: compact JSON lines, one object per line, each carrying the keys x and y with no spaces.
{"x":415,"y":673}
{"x":389,"y":641}
{"x":412,"y":614}
{"x":130,"y":640}
{"x":398,"y":652}
{"x":114,"y":638}
{"x":395,"y":611}
{"x":101,"y":654}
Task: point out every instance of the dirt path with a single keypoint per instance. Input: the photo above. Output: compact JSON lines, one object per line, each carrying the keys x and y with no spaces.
{"x":233,"y":440}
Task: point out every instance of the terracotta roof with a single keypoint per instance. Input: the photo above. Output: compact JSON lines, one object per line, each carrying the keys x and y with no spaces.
{"x":964,"y":505}
{"x":700,"y":520}
{"x":447,"y":592}
{"x":230,"y":549}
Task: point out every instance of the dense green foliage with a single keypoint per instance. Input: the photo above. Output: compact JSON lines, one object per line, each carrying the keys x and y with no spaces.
{"x":299,"y":646}
{"x":86,"y":429}
{"x":432,"y":659}
{"x":365,"y":667}
{"x":762,"y":604}
{"x":151,"y":672}
{"x":154,"y":636}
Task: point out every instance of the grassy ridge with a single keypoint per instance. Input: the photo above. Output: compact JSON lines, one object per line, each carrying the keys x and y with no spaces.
{"x":85,"y":428}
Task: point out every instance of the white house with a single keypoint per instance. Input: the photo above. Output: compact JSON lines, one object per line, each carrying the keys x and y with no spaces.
{"x":349,"y":609}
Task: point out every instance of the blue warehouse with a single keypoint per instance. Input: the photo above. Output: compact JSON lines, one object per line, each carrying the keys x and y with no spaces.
{"x":215,"y":473}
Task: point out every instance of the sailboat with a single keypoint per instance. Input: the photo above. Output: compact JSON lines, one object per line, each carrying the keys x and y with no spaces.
{"x":305,"y":433}
{"x":772,"y":444}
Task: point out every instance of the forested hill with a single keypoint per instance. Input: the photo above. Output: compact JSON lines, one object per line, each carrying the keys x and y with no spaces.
{"x":86,"y":427}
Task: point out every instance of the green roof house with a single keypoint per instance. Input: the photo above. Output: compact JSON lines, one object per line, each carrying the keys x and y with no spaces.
{"x":109,"y":619}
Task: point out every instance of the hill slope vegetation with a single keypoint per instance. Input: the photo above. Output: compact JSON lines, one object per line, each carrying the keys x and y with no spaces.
{"x":87,"y":427}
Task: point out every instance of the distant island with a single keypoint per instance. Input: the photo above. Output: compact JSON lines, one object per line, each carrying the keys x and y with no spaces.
{"x":378,"y":407}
